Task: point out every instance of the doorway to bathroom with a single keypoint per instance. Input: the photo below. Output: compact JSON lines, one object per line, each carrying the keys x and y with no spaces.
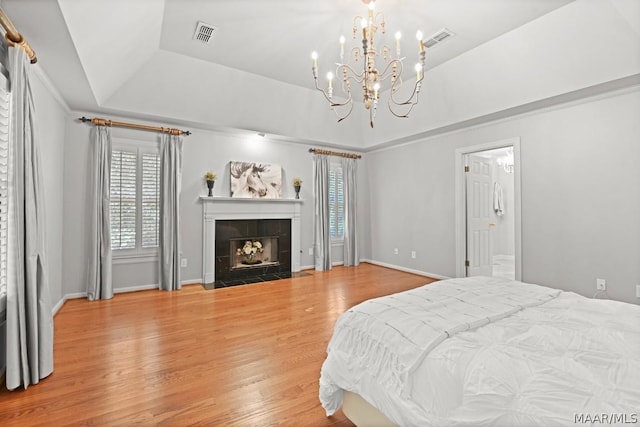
{"x":488,"y":236}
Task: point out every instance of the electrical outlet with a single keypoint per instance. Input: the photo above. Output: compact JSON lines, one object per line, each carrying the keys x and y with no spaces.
{"x":183,"y":262}
{"x":413,"y":254}
{"x":311,"y":251}
{"x":637,"y":291}
{"x":601,"y":284}
{"x":395,"y":251}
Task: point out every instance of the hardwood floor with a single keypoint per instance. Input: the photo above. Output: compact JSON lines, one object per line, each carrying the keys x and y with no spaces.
{"x":247,"y":356}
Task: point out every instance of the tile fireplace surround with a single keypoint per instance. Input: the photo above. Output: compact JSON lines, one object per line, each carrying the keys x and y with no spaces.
{"x":227,"y":208}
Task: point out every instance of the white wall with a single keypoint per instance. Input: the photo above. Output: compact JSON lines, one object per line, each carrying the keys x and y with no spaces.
{"x":207,"y":150}
{"x":580,"y":196}
{"x":575,"y":228}
{"x":203,"y":151}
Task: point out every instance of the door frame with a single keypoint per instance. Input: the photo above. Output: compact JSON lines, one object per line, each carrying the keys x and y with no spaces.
{"x":461,"y":216}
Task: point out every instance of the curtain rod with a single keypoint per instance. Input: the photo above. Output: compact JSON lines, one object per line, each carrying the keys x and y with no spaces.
{"x":335,"y":153}
{"x":105,"y":122}
{"x":15,"y":38}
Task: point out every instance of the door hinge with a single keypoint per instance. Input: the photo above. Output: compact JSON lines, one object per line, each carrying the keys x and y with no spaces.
{"x":466,"y":263}
{"x":466,"y":168}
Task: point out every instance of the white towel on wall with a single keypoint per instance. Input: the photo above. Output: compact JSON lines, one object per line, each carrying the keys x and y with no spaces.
{"x":498,"y":201}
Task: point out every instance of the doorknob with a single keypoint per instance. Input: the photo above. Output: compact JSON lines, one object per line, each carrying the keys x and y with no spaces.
{"x":492,"y":224}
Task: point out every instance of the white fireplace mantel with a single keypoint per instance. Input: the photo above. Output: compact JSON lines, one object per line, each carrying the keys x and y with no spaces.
{"x":224,"y":208}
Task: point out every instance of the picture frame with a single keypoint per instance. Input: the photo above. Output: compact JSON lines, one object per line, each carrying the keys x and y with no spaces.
{"x":255,"y":180}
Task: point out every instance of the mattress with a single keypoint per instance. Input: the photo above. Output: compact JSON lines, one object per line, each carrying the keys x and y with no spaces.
{"x":487,"y":352}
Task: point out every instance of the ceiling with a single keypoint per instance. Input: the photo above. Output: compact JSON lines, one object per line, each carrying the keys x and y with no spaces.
{"x":139,"y":59}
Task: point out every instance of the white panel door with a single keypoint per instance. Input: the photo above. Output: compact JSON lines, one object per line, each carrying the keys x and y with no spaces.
{"x":479,"y":197}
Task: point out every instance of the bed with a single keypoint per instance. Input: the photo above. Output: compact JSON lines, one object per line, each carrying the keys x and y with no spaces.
{"x":484,"y":351}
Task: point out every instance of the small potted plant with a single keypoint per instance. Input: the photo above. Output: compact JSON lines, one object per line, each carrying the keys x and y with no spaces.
{"x":210,"y":177}
{"x":297,"y":183}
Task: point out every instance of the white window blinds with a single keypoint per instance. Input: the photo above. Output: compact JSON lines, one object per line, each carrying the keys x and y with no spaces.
{"x":135,"y":199}
{"x":4,"y":187}
{"x":336,"y":203}
{"x":123,"y":199}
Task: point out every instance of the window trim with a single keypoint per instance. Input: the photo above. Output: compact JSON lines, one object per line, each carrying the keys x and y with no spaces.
{"x":137,"y":254}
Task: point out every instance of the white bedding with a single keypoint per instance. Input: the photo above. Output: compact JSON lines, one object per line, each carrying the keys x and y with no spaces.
{"x":485,"y":352}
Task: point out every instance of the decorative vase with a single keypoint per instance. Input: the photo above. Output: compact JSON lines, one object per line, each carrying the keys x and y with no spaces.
{"x":297,"y":188}
{"x":210,"y":187}
{"x":250,"y":259}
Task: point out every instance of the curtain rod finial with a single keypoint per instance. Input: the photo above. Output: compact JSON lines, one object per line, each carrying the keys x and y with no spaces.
{"x":83,"y":119}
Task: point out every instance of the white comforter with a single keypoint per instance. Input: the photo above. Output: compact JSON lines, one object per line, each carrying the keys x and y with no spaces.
{"x":485,"y":352}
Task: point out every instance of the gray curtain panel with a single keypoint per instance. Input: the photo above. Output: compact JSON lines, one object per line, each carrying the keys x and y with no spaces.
{"x":99,"y":283}
{"x":322,"y":234}
{"x":349,"y":176}
{"x":29,"y":316}
{"x":170,"y":177}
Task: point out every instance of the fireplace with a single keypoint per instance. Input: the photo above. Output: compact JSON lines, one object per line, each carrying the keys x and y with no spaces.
{"x":250,"y":248}
{"x":275,"y":223}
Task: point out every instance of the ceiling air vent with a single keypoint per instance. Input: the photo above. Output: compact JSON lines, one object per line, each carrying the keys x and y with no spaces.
{"x":204,"y":32}
{"x":439,"y":37}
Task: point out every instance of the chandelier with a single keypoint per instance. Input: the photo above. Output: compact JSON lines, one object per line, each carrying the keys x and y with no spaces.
{"x":370,"y":78}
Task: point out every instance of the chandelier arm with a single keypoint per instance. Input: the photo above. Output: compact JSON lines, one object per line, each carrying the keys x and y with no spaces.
{"x":402,"y":116}
{"x":414,"y":94}
{"x":327,"y":97}
{"x":383,"y":76}
{"x":416,"y":87}
{"x":357,"y":77}
{"x":346,"y":115}
{"x":410,"y":99}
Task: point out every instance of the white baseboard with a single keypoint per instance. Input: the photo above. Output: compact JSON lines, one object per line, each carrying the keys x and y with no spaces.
{"x":66,"y":297}
{"x":312,"y":267}
{"x":384,"y":264}
{"x":406,"y":270}
{"x":58,"y":306}
{"x":135,"y":288}
{"x":75,"y":295}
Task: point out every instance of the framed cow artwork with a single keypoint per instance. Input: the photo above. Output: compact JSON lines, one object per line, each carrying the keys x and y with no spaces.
{"x":255,"y":180}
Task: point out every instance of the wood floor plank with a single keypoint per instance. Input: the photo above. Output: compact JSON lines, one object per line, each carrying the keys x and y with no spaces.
{"x":240,"y":356}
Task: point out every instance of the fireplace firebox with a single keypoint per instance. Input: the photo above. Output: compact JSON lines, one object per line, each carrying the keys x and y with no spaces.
{"x":252,"y":250}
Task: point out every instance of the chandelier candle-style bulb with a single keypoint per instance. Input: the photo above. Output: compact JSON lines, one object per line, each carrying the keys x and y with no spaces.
{"x":364,"y":75}
{"x":330,"y":78}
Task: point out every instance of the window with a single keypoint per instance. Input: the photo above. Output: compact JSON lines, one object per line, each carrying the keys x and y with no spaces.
{"x":4,"y":187}
{"x":135,"y":200}
{"x":336,"y":203}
